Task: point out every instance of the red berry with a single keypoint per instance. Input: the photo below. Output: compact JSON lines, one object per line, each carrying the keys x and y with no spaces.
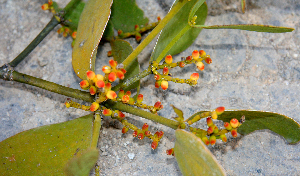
{"x":208,"y":60}
{"x":195,"y":55}
{"x":125,"y":129}
{"x":170,"y":151}
{"x":189,"y":58}
{"x":202,"y":53}
{"x":94,"y":106}
{"x":157,"y":104}
{"x":125,"y":99}
{"x":112,"y":76}
{"x":111,"y":95}
{"x":107,"y":112}
{"x":194,"y":76}
{"x":93,"y":90}
{"x":181,"y":64}
{"x":220,"y":110}
{"x":90,"y":75}
{"x":100,"y":84}
{"x":84,"y":84}
{"x":234,"y":133}
{"x":154,"y":145}
{"x":209,"y":122}
{"x":168,"y":59}
{"x":145,"y":127}
{"x":141,"y":136}
{"x":234,"y":123}
{"x":165,"y":70}
{"x":164,"y":85}
{"x":135,"y":133}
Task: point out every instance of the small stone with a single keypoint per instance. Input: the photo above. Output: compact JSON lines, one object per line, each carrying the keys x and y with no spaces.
{"x":131,"y":155}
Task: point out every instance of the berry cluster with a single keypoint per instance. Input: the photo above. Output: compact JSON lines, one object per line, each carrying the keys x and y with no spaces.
{"x":162,"y":79}
{"x":49,"y":6}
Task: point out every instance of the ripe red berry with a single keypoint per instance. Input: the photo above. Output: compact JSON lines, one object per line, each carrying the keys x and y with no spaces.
{"x":94,"y":106}
{"x":112,"y":76}
{"x":220,"y":110}
{"x":154,"y":145}
{"x":84,"y":84}
{"x":194,"y":76}
{"x":147,"y":133}
{"x":111,"y":95}
{"x":234,"y":133}
{"x":125,"y":129}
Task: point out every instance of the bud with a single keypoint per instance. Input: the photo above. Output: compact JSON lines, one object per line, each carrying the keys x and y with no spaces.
{"x":136,"y":27}
{"x":147,"y":133}
{"x":170,"y":151}
{"x":145,"y":127}
{"x":50,"y":2}
{"x":93,"y":90}
{"x":200,"y":66}
{"x":164,"y":85}
{"x":121,"y":115}
{"x":227,"y":126}
{"x":98,"y":77}
{"x":120,"y":74}
{"x":216,"y":129}
{"x":128,"y":93}
{"x":121,"y":93}
{"x":135,"y":133}
{"x":140,"y":98}
{"x":195,"y":55}
{"x":214,"y":115}
{"x":208,"y":60}
{"x":158,"y":18}
{"x":90,"y":75}
{"x":159,"y":134}
{"x":125,"y":129}
{"x":234,"y":123}
{"x":223,"y":137}
{"x":112,"y":76}
{"x":210,"y":130}
{"x":67,"y":104}
{"x":205,"y":140}
{"x":234,"y":133}
{"x":120,"y":32}
{"x":107,"y":87}
{"x":157,"y":84}
{"x":84,"y":84}
{"x":165,"y":70}
{"x":154,"y":145}
{"x":189,"y":58}
{"x":202,"y":53}
{"x":212,"y":140}
{"x":113,"y":63}
{"x":138,"y":37}
{"x":109,"y":53}
{"x":123,"y":70}
{"x":168,"y":59}
{"x":141,"y":136}
{"x":157,"y":104}
{"x":111,"y":95}
{"x":194,"y":76}
{"x":125,"y":99}
{"x":107,"y":112}
{"x":100,"y":84}
{"x":74,"y":34}
{"x":220,"y":110}
{"x":106,"y":69}
{"x":45,"y":6}
{"x":209,"y":122}
{"x":181,"y":64}
{"x":94,"y":106}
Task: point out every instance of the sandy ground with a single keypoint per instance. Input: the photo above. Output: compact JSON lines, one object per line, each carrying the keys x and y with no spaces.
{"x":249,"y":71}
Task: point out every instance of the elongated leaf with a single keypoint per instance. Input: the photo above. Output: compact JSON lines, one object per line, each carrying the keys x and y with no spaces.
{"x":179,"y":113}
{"x":193,"y":157}
{"x":250,"y":27}
{"x":175,"y":28}
{"x":82,"y":164}
{"x":74,"y":15}
{"x":45,"y":150}
{"x":120,"y":50}
{"x":125,"y":14}
{"x":91,"y":26}
{"x":243,"y":4}
{"x":259,"y":120}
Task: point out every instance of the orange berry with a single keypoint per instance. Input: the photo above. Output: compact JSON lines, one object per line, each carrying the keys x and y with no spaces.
{"x":140,"y":98}
{"x":165,"y":70}
{"x":200,"y":66}
{"x":121,"y":115}
{"x":94,"y":106}
{"x":121,"y":93}
{"x":164,"y":85}
{"x":220,"y":110}
{"x":214,"y":115}
{"x":194,"y":76}
{"x":202,"y":53}
{"x":145,"y":127}
{"x":100,"y":84}
{"x":50,"y":2}
{"x":111,"y":95}
{"x":74,"y":34}
{"x":223,"y":137}
{"x":141,"y":136}
{"x":120,"y":74}
{"x":189,"y":58}
{"x":158,"y":18}
{"x":90,"y":75}
{"x":234,"y":133}
{"x":107,"y":112}
{"x":208,"y":60}
{"x":157,"y":77}
{"x":212,"y":140}
{"x":84,"y":84}
{"x":181,"y":64}
{"x":147,"y":133}
{"x":93,"y":90}
{"x":109,"y":54}
{"x":157,"y":84}
{"x":154,"y":145}
{"x":227,"y":126}
{"x":210,"y":130}
{"x":234,"y":123}
{"x":135,"y":133}
{"x":205,"y":140}
{"x":123,"y":70}
{"x":125,"y":129}
{"x":106,"y":69}
{"x":45,"y":6}
{"x":209,"y":122}
{"x":107,"y":87}
{"x":168,"y":59}
{"x":138,"y":37}
{"x":195,"y":54}
{"x":157,"y":104}
{"x":170,"y":151}
{"x":125,"y":99}
{"x":112,"y":76}
{"x":113,"y":63}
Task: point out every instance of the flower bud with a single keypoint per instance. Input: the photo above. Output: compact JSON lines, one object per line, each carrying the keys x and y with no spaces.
{"x":111,"y":95}
{"x":45,"y":6}
{"x":120,"y":74}
{"x":84,"y":84}
{"x":154,"y":145}
{"x":94,"y":106}
{"x":157,"y":104}
{"x":195,"y":55}
{"x":210,"y":130}
{"x":165,"y":70}
{"x":227,"y":126}
{"x":125,"y":99}
{"x":220,"y":110}
{"x":223,"y":137}
{"x":113,"y":63}
{"x":112,"y":76}
{"x":107,"y":112}
{"x":214,"y":115}
{"x":202,"y":53}
{"x":212,"y":140}
{"x":90,"y":75}
{"x":145,"y":127}
{"x":121,"y":93}
{"x":106,"y":69}
{"x":194,"y":76}
{"x":170,"y":151}
{"x":125,"y":129}
{"x":209,"y":122}
{"x":164,"y":85}
{"x":100,"y":84}
{"x":234,"y":133}
{"x":200,"y":66}
{"x":140,"y":136}
{"x":205,"y":140}
{"x":140,"y":98}
{"x":181,"y":64}
{"x":168,"y":59}
{"x":208,"y":60}
{"x":93,"y":90}
{"x":234,"y":123}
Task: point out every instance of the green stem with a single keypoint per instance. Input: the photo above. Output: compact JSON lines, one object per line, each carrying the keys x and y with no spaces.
{"x":175,"y":39}
{"x":70,"y":5}
{"x":50,"y":86}
{"x":138,"y":112}
{"x":52,"y":23}
{"x":96,"y":130}
{"x":155,"y":31}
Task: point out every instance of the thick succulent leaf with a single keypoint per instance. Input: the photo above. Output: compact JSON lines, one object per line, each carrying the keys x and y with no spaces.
{"x":125,"y":14}
{"x":109,"y":31}
{"x":250,"y":27}
{"x":74,"y":15}
{"x":47,"y":149}
{"x":175,"y":34}
{"x":193,"y":157}
{"x":259,"y":120}
{"x":179,"y":113}
{"x":243,"y":4}
{"x":120,"y":50}
{"x":82,"y":164}
{"x":91,"y":26}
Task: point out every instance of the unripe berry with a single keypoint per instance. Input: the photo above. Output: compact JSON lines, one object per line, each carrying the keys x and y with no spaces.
{"x":234,"y":133}
{"x":210,"y":130}
{"x":164,"y":85}
{"x":209,"y":122}
{"x":140,"y":98}
{"x":234,"y":123}
{"x":107,"y":87}
{"x":208,"y":60}
{"x":125,"y":129}
{"x":111,"y":95}
{"x":220,"y":110}
{"x":135,"y":133}
{"x":125,"y":99}
{"x":90,"y":75}
{"x":50,"y":2}
{"x":200,"y":66}
{"x":100,"y":84}
{"x":106,"y":69}
{"x":202,"y":53}
{"x":223,"y":137}
{"x":93,"y":90}
{"x":141,"y":136}
{"x":216,"y":129}
{"x":67,"y":104}
{"x":181,"y":64}
{"x":128,"y":93}
{"x":205,"y":140}
{"x":214,"y":115}
{"x":98,"y":77}
{"x":157,"y":104}
{"x":147,"y":133}
{"x":113,"y":63}
{"x":195,"y":55}
{"x":157,"y":84}
{"x":227,"y":126}
{"x":112,"y":76}
{"x":109,"y":53}
{"x":74,"y":34}
{"x":107,"y":112}
{"x":120,"y":74}
{"x":212,"y":140}
{"x":165,"y":70}
{"x":45,"y":6}
{"x":84,"y":84}
{"x":154,"y":145}
{"x":168,"y":59}
{"x":145,"y":127}
{"x":121,"y":93}
{"x":170,"y":151}
{"x":194,"y":76}
{"x":131,"y":101}
{"x":121,"y":115}
{"x":94,"y":106}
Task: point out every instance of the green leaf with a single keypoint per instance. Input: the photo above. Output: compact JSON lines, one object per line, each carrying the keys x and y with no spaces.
{"x":91,"y":26}
{"x":82,"y":164}
{"x":125,"y":14}
{"x":120,"y":50}
{"x":109,"y":31}
{"x":177,"y":36}
{"x":74,"y":15}
{"x":179,"y":113}
{"x":259,"y":120}
{"x":193,"y":157}
{"x":47,"y":149}
{"x":250,"y":27}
